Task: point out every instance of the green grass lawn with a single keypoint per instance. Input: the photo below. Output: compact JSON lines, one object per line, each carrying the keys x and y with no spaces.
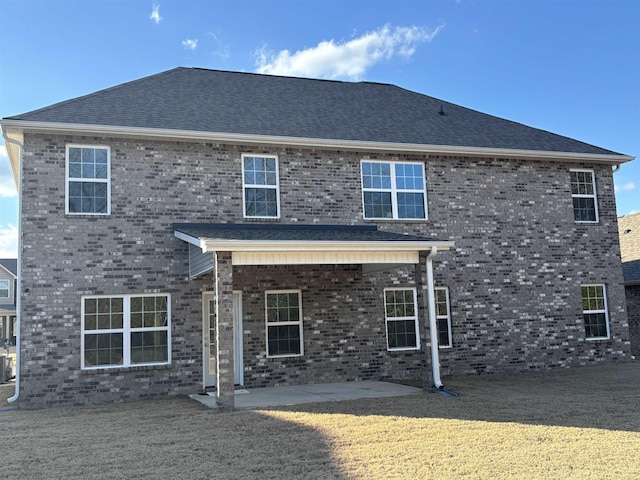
{"x":581,"y":423}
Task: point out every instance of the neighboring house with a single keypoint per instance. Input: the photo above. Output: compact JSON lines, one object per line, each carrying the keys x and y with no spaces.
{"x":8,"y":288}
{"x":629,"y":229}
{"x":201,"y":228}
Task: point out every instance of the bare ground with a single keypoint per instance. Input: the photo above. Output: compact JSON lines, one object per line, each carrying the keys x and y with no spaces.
{"x":581,"y":423}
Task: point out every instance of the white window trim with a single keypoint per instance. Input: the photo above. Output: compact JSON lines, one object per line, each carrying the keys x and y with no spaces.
{"x":394,"y":191}
{"x":275,"y":187}
{"x":594,"y":196}
{"x":446,"y":317}
{"x":7,"y":282}
{"x":274,"y":324}
{"x":85,"y":180}
{"x":605,"y":311}
{"x":396,"y":319}
{"x":126,"y":331}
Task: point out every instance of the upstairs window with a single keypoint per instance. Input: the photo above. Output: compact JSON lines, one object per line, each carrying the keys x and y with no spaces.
{"x":260,"y":186}
{"x":88,"y":180}
{"x":4,"y":288}
{"x":594,"y":312}
{"x":583,"y":191}
{"x":394,"y":190}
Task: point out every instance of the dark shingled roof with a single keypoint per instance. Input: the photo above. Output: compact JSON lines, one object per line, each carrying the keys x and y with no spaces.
{"x":200,"y":100}
{"x":10,"y":264}
{"x":277,"y":232}
{"x":629,"y":230}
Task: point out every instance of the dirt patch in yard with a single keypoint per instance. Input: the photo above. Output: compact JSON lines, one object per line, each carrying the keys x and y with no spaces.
{"x":580,"y":423}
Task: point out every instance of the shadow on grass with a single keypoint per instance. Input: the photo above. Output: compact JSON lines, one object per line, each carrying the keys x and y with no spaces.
{"x":599,"y":396}
{"x":167,"y":438}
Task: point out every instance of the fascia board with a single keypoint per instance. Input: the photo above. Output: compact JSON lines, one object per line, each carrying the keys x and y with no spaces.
{"x":238,"y":138}
{"x":213,"y":245}
{"x":13,"y":152}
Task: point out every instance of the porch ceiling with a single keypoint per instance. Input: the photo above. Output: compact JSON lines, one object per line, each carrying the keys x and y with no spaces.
{"x":270,"y":244}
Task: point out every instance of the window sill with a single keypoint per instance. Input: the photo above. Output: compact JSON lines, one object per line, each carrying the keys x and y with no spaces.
{"x":136,"y":368}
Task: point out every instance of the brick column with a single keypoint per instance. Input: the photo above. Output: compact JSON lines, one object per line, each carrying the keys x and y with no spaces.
{"x":423,"y":322}
{"x":223,"y":300}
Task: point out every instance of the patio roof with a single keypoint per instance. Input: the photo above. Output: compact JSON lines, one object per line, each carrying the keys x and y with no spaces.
{"x":291,"y":244}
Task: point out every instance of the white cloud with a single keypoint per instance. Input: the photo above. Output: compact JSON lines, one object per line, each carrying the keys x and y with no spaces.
{"x":155,"y":14}
{"x":190,"y":44}
{"x":7,"y":184}
{"x":627,"y":187}
{"x":351,"y":59}
{"x":8,"y":241}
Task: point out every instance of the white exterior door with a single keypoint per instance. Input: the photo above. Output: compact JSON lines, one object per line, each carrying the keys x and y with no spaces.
{"x":209,"y":339}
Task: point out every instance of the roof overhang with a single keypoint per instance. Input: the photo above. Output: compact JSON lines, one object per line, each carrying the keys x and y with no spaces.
{"x":19,"y":126}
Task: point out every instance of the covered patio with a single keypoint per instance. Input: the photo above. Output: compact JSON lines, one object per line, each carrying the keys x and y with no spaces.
{"x":221,"y":247}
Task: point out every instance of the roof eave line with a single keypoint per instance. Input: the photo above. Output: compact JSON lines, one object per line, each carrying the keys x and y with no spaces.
{"x":192,"y":135}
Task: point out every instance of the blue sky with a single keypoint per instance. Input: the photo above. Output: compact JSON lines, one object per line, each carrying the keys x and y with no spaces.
{"x":570,"y":67}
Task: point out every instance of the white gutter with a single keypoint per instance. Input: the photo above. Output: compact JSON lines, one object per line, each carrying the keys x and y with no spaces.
{"x":244,"y":138}
{"x":433,"y":327}
{"x":18,"y":292}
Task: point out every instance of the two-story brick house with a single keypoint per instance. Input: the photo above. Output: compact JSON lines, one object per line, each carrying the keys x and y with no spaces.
{"x":202,"y":228}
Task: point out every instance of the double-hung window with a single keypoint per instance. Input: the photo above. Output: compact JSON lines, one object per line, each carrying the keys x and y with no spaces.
{"x":443,"y":317}
{"x":88,"y":188}
{"x":4,"y":288}
{"x":260,"y":186}
{"x":594,"y":312}
{"x":583,"y":193}
{"x":393,"y":190}
{"x":283,"y":311}
{"x":401,"y":318}
{"x":126,"y":330}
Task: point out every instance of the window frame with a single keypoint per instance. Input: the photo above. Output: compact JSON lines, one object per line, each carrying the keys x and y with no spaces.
{"x":402,"y":319}
{"x":126,"y":331}
{"x":8,"y":289}
{"x":299,"y":322}
{"x":69,"y":179}
{"x":605,"y":311}
{"x":394,"y":191}
{"x":246,"y":186}
{"x":593,"y":196}
{"x":446,"y":317}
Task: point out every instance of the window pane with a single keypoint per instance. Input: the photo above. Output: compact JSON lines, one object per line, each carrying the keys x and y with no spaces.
{"x":103,"y":349}
{"x":376,"y":175}
{"x":377,"y":205}
{"x":409,"y":177}
{"x":149,"y":347}
{"x":443,"y":332}
{"x":411,"y":205}
{"x":595,"y":325}
{"x":401,"y":334}
{"x":284,"y":340}
{"x":584,"y":209}
{"x":261,"y":202}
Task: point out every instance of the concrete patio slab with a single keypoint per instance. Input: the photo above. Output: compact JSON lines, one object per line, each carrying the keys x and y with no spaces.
{"x":322,"y":392}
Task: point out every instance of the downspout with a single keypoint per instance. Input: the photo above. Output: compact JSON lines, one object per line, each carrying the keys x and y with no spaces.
{"x":433,"y":327}
{"x":19,"y":272}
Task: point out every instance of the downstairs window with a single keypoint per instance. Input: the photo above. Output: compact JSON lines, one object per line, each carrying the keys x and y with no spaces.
{"x":126,"y":330}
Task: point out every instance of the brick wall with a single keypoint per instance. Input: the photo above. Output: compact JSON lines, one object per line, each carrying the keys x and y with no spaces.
{"x":514,"y":276}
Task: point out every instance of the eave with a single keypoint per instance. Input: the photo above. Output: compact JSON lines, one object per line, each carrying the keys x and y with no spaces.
{"x":13,"y":127}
